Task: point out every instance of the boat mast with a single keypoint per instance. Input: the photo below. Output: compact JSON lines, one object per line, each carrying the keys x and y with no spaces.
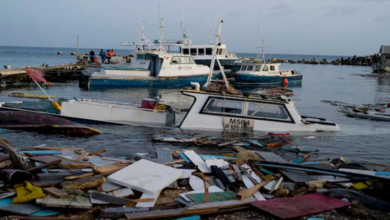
{"x":217,"y":43}
{"x":161,"y":30}
{"x":210,"y":42}
{"x":262,"y":50}
{"x":143,"y":35}
{"x":77,"y":46}
{"x":182,"y":25}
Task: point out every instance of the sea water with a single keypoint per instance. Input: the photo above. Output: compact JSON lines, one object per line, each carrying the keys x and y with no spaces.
{"x":358,"y":140}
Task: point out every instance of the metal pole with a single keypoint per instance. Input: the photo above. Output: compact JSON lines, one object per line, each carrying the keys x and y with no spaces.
{"x":77,"y":45}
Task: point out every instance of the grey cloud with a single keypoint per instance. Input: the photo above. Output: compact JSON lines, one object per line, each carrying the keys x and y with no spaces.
{"x":339,"y":11}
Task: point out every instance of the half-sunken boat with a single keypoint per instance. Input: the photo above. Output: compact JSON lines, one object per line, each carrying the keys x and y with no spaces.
{"x":248,"y":112}
{"x":98,"y":111}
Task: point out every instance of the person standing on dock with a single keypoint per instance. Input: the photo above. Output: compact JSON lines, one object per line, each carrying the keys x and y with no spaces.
{"x":103,"y":55}
{"x":92,"y":56}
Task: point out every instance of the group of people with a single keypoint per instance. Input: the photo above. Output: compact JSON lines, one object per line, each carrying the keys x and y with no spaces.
{"x":103,"y":55}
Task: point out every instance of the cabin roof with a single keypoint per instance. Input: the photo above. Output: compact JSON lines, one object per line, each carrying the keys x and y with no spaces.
{"x":266,"y":98}
{"x":384,"y":49}
{"x":203,"y":46}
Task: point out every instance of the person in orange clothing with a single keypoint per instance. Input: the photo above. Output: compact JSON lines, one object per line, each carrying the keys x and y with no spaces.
{"x":110,"y":54}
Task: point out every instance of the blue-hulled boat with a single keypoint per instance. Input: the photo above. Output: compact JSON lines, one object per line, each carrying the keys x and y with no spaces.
{"x":254,"y":74}
{"x":150,"y":68}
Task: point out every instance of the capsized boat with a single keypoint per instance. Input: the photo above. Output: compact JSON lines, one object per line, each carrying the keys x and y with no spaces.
{"x":367,"y":113}
{"x":246,"y":113}
{"x":98,"y":111}
{"x":255,"y":73}
{"x":151,"y":68}
{"x":47,"y":124}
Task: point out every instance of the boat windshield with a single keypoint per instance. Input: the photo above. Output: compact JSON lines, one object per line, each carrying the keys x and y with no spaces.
{"x":223,"y":106}
{"x":267,"y":110}
{"x":182,"y":60}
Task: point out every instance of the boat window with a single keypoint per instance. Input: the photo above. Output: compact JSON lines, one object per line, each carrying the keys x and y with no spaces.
{"x":182,"y":60}
{"x":200,"y":51}
{"x":140,"y":56}
{"x":148,"y":57}
{"x":257,"y":68}
{"x":267,"y":110}
{"x":265,"y":68}
{"x":243,"y":67}
{"x":193,"y":51}
{"x":186,"y":51}
{"x":209,"y":51}
{"x":249,"y":68}
{"x":272,"y":68}
{"x":223,"y":106}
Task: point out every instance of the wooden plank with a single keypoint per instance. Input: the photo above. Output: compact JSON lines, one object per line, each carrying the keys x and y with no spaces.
{"x":185,"y":157}
{"x":50,"y":201}
{"x":117,"y":160}
{"x":199,"y":198}
{"x":332,"y":179}
{"x":221,"y":205}
{"x":146,"y":176}
{"x":163,"y":155}
{"x":148,"y":204}
{"x":57,"y":176}
{"x":97,"y":152}
{"x":196,"y":183}
{"x":109,"y":186}
{"x":249,"y":184}
{"x":197,"y":161}
{"x":109,"y":168}
{"x":22,"y":209}
{"x":51,"y":148}
{"x":173,"y":162}
{"x":47,"y":183}
{"x":111,"y":199}
{"x":83,"y":155}
{"x":36,"y":217}
{"x":39,"y":168}
{"x":80,"y":202}
{"x":41,"y":152}
{"x":297,"y":176}
{"x":212,"y":189}
{"x":125,"y":192}
{"x":270,"y":156}
{"x":251,"y":174}
{"x":96,"y":201}
{"x":248,"y":192}
{"x":55,"y":192}
{"x":78,"y":176}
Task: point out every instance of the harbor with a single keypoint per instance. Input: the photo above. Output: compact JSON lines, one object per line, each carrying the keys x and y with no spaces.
{"x":190,"y":129}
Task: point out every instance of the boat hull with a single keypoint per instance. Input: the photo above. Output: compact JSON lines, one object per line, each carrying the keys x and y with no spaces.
{"x":146,"y":81}
{"x":244,"y":78}
{"x":229,"y":64}
{"x":47,"y":124}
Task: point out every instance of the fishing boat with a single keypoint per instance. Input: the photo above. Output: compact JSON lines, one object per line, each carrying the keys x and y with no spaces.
{"x":98,"y":111}
{"x":255,"y":73}
{"x":381,"y":62}
{"x":247,"y":113}
{"x":156,"y":69}
{"x":47,"y":124}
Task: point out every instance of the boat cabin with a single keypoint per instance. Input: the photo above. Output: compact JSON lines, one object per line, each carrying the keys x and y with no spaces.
{"x":206,"y":50}
{"x":156,"y":64}
{"x":253,"y":67}
{"x":216,"y":111}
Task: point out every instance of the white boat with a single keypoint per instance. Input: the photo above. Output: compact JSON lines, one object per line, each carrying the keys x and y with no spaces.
{"x":151,"y":68}
{"x":98,"y":111}
{"x":245,"y":113}
{"x":255,"y":73}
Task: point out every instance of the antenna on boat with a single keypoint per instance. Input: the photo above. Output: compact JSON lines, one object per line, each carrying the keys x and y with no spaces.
{"x":258,"y":40}
{"x":143,"y":34}
{"x":217,"y":43}
{"x":210,"y":42}
{"x":182,"y":24}
{"x":262,"y":50}
{"x":161,"y":30}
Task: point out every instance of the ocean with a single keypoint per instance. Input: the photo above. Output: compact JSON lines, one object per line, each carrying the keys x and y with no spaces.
{"x":359,"y":140}
{"x":20,"y":57}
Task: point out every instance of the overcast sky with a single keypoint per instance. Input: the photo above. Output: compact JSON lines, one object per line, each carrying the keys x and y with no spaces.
{"x":331,"y":27}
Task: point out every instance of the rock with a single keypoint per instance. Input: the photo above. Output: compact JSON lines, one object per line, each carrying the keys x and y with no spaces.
{"x":60,"y":53}
{"x":73,"y":53}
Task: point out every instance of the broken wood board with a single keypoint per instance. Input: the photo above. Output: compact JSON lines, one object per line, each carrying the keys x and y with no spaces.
{"x":109,"y":168}
{"x":123,"y":161}
{"x":299,"y":206}
{"x":109,"y":198}
{"x":196,"y":183}
{"x":98,"y":161}
{"x":163,"y":155}
{"x":251,"y":174}
{"x":331,"y":179}
{"x":217,"y":162}
{"x":248,"y":184}
{"x":221,"y":205}
{"x":64,"y":161}
{"x":202,"y":166}
{"x":270,"y":156}
{"x":82,"y":156}
{"x":212,"y":189}
{"x":297,"y":176}
{"x":246,"y":154}
{"x":96,"y":201}
{"x":21,"y":209}
{"x":199,"y":198}
{"x":147,"y":204}
{"x":58,"y":176}
{"x":84,"y":183}
{"x":72,"y":201}
{"x":146,"y":176}
{"x":55,"y":192}
{"x":47,"y":183}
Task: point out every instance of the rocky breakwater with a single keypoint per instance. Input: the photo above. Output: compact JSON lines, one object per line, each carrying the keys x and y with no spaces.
{"x":353,"y":61}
